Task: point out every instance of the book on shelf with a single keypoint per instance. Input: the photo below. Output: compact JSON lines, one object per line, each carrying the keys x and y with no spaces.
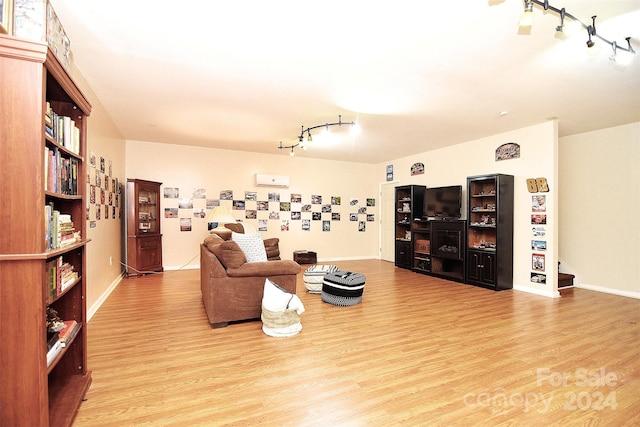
{"x":68,"y":332}
{"x":61,"y":173}
{"x":54,"y":351}
{"x":52,"y":339}
{"x":59,"y":228}
{"x":62,"y":129}
{"x":60,"y":275}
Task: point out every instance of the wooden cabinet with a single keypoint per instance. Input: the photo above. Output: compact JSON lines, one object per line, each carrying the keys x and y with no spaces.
{"x":43,"y":127}
{"x":409,"y":206}
{"x":490,"y":231}
{"x":144,"y":240}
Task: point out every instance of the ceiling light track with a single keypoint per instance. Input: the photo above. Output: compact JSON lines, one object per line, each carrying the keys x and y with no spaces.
{"x":526,"y":20}
{"x":303,"y":140}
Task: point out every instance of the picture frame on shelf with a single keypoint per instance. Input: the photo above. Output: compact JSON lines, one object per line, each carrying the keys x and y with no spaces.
{"x":6,"y":16}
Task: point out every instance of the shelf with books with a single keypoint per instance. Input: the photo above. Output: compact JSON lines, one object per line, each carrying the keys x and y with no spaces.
{"x":37,"y":388}
{"x":59,"y":339}
{"x":60,"y":230}
{"x":62,"y":275}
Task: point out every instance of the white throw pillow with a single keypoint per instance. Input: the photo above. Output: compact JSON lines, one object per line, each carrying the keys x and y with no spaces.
{"x":252,"y":246}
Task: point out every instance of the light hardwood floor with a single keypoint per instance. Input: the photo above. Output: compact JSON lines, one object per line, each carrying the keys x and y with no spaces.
{"x":417,"y":351}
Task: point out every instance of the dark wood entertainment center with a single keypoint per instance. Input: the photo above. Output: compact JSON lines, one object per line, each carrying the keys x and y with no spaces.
{"x":477,"y":250}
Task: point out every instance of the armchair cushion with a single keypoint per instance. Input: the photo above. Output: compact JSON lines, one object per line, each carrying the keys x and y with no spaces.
{"x":229,"y":254}
{"x":252,"y":246}
{"x":272,"y":246}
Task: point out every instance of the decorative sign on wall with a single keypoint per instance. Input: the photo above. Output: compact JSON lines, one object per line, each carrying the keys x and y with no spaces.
{"x":535,"y":185}
{"x":389,"y":172}
{"x":417,"y":169}
{"x":510,"y":150}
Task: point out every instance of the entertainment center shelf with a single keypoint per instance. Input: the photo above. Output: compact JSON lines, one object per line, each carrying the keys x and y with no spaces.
{"x":432,"y":239}
{"x":409,"y":205}
{"x":438,"y":248}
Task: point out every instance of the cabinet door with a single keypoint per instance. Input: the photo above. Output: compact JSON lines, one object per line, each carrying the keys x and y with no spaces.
{"x":481,"y":268}
{"x":403,"y":254}
{"x":148,"y":209}
{"x":489,"y":263}
{"x":475,"y":268}
{"x":149,"y":253}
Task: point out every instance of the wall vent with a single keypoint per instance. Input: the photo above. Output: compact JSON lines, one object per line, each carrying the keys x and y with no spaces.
{"x":272,"y":180}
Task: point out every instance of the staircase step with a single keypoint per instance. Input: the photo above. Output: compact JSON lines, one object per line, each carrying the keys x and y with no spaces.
{"x":565,"y":280}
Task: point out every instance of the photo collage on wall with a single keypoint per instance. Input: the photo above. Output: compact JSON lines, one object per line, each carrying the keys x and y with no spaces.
{"x":287,"y":211}
{"x":538,"y":238}
{"x":104,"y":195}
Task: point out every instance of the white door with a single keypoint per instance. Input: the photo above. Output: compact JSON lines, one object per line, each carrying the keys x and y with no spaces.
{"x":387,"y":222}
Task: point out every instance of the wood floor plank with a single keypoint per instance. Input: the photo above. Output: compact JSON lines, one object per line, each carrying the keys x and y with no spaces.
{"x":417,"y":351}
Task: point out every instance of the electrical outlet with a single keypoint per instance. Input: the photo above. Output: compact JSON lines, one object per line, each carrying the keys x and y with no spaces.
{"x":110,"y":260}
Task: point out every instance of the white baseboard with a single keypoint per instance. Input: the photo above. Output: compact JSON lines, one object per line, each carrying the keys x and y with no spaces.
{"x":96,"y":305}
{"x":182,"y":267}
{"x":548,"y":294}
{"x":618,"y":292}
{"x":346,"y":259}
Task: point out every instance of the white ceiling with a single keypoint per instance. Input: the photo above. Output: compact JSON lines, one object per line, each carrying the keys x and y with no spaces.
{"x":416,"y":75}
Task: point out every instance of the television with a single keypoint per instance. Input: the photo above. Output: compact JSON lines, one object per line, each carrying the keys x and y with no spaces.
{"x":443,"y":202}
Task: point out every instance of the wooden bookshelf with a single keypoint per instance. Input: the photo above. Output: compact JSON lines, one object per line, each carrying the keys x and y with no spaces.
{"x":33,"y":393}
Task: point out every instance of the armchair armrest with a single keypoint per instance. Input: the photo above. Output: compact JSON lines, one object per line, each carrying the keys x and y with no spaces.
{"x":265,"y":269}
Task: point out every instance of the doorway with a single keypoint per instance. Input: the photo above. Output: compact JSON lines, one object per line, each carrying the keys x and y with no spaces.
{"x":387,"y":221}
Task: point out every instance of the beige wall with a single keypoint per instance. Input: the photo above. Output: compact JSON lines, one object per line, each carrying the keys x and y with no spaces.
{"x":600,"y":209}
{"x":606,"y":160}
{"x":104,"y":250}
{"x":452,"y":165}
{"x":189,"y":168}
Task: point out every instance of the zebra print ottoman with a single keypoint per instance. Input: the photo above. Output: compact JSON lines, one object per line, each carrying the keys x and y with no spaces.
{"x":314,"y":277}
{"x":343,"y":288}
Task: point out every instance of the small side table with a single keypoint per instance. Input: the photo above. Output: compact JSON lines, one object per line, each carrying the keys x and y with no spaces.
{"x":305,"y":257}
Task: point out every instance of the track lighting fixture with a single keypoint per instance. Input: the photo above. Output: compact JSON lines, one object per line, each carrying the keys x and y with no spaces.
{"x":527,"y":19}
{"x":302,"y":140}
{"x":561,"y":26}
{"x":614,"y":46}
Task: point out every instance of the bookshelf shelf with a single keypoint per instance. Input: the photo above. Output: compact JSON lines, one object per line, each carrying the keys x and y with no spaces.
{"x":33,"y":268}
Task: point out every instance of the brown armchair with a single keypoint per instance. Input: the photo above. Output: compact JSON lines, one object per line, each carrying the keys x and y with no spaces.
{"x":232,"y":288}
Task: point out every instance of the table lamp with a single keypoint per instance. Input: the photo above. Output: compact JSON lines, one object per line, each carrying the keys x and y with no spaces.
{"x":220,"y":215}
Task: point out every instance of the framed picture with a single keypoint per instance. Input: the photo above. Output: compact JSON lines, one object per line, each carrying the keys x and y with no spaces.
{"x":537,"y":262}
{"x":6,"y":16}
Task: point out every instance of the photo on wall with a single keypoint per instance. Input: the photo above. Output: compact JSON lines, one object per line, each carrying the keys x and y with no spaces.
{"x":538,"y":245}
{"x":185,"y":224}
{"x":539,"y":278}
{"x":537,"y":262}
{"x":539,"y":203}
